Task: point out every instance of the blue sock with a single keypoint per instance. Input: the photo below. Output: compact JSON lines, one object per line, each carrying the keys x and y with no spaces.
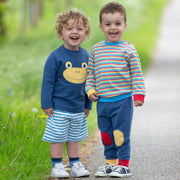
{"x":56,"y":160}
{"x":73,"y":160}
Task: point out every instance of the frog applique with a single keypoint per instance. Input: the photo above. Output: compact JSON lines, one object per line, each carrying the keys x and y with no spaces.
{"x":75,"y":75}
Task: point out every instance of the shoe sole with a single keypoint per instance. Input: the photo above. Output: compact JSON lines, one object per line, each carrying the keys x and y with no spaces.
{"x":59,"y":176}
{"x":101,"y":175}
{"x":84,"y":175}
{"x":119,"y":175}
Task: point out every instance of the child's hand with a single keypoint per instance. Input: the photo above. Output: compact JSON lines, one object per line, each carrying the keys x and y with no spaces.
{"x":94,"y":97}
{"x":48,"y":111}
{"x":138,"y":103}
{"x":87,"y":112}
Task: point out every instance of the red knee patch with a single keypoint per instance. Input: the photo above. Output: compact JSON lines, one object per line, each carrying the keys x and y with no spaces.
{"x":106,"y":138}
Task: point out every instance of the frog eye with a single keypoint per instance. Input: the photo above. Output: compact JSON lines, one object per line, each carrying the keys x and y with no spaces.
{"x":84,"y":65}
{"x":68,"y":64}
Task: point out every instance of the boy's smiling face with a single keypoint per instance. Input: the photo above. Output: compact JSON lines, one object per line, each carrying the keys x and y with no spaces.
{"x":113,"y":26}
{"x":73,"y":34}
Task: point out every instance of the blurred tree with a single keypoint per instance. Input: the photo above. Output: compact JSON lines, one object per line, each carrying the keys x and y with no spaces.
{"x":23,"y":16}
{"x":57,"y":6}
{"x":61,"y":5}
{"x":2,"y":24}
{"x":68,"y":4}
{"x":35,"y":11}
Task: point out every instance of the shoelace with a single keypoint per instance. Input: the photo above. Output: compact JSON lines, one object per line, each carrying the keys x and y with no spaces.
{"x":78,"y":165}
{"x":120,"y":168}
{"x":105,"y":167}
{"x":60,"y":167}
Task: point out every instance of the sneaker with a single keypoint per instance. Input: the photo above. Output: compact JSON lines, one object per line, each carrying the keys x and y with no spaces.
{"x":59,"y":171}
{"x":120,"y":171}
{"x":104,"y":170}
{"x":78,"y":170}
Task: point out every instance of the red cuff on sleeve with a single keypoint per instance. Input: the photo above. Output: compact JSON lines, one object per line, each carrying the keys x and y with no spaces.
{"x":139,"y":97}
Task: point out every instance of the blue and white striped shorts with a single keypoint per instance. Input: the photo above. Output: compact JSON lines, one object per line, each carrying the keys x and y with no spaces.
{"x":66,"y":127}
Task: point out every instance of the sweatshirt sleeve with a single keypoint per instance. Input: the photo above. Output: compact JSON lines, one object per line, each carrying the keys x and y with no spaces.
{"x":88,"y":102}
{"x":48,"y":82}
{"x":90,"y":82}
{"x":138,"y":84}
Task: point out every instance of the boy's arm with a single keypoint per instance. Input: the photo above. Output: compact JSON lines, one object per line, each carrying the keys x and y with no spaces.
{"x":138,"y":103}
{"x":91,"y":91}
{"x":138,"y":84}
{"x":48,"y":82}
{"x":48,"y":111}
{"x":139,"y":97}
{"x":93,"y":96}
{"x":91,"y":80}
{"x":87,"y":111}
{"x":138,"y":100}
{"x":88,"y":102}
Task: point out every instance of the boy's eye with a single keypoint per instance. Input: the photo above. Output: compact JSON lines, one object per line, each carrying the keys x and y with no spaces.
{"x":107,"y":24}
{"x":69,"y":28}
{"x":80,"y":29}
{"x":118,"y":23}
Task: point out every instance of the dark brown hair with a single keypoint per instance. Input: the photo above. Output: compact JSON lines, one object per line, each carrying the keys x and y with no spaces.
{"x":112,"y":7}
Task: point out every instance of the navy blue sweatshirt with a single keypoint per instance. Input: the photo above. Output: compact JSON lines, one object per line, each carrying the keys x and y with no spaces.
{"x":63,"y":85}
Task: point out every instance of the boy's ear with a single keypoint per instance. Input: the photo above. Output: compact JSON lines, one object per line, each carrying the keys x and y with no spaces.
{"x":100,"y":26}
{"x":125,"y":25}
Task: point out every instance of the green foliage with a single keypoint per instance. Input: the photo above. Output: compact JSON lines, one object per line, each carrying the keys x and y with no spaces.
{"x":21,"y":149}
{"x":23,"y":154}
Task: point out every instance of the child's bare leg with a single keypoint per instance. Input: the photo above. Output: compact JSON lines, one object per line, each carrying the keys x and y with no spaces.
{"x":56,"y":150}
{"x":73,"y":152}
{"x":72,"y":149}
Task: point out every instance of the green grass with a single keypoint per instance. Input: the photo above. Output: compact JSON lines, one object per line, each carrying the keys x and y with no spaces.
{"x":23,"y":154}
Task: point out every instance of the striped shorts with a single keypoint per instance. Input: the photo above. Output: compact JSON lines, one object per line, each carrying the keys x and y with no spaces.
{"x":64,"y":127}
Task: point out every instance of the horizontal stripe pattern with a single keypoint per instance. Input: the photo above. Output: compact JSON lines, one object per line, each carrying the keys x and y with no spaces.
{"x":114,"y":69}
{"x":66,"y":127}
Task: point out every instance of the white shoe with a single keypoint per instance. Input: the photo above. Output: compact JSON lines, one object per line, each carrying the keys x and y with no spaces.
{"x":59,"y":171}
{"x":78,"y":170}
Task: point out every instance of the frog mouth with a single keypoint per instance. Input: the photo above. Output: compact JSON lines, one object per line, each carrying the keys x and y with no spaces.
{"x":74,"y":79}
{"x":79,"y":79}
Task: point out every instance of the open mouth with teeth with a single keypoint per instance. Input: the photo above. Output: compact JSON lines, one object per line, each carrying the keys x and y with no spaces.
{"x":74,"y":38}
{"x":113,"y":33}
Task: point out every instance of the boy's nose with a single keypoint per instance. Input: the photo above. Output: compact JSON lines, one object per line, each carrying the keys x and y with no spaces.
{"x":74,"y":30}
{"x":113,"y":26}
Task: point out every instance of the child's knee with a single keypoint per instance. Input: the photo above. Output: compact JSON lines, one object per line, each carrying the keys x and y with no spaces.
{"x":106,"y":138}
{"x":118,"y":137}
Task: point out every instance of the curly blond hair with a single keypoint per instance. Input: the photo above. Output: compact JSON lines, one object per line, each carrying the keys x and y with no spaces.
{"x":64,"y":17}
